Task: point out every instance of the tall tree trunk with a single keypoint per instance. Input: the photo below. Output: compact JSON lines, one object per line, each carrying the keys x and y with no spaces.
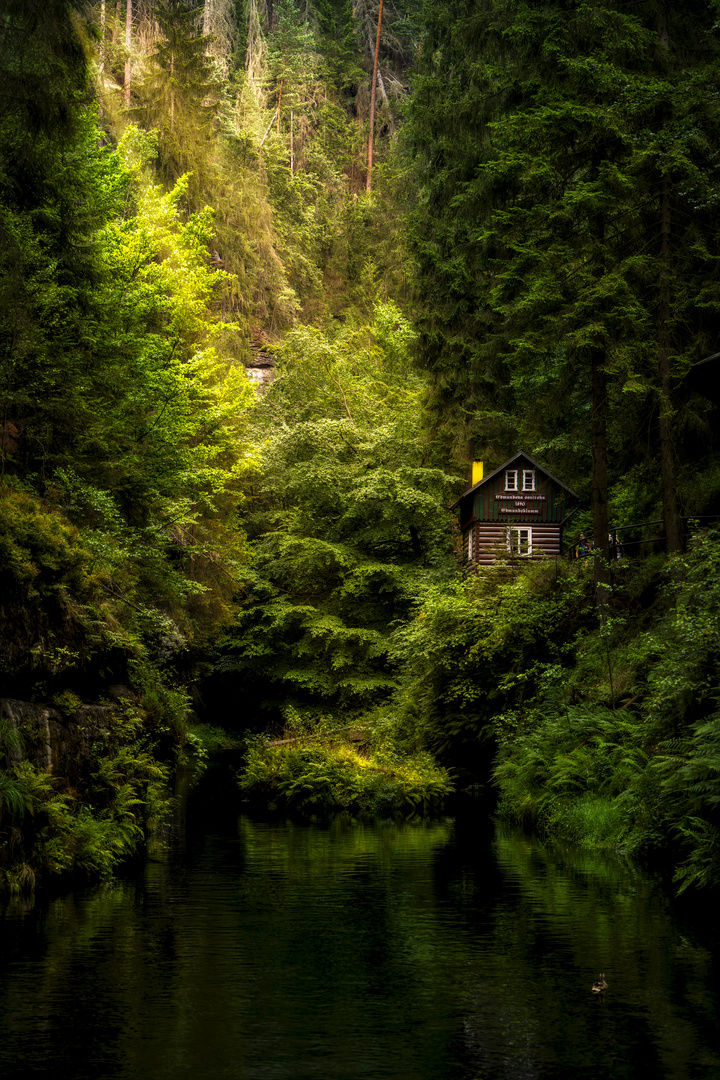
{"x":128,"y":42}
{"x":671,"y":513}
{"x":368,"y":182}
{"x":101,"y":65}
{"x":172,"y":89}
{"x":598,"y":436}
{"x":672,"y":521}
{"x":599,"y":480}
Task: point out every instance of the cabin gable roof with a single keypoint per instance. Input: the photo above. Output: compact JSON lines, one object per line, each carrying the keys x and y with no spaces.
{"x":521,"y":455}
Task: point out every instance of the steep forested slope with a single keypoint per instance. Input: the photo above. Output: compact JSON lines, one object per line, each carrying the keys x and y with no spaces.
{"x":532,"y":263}
{"x":178,"y":186}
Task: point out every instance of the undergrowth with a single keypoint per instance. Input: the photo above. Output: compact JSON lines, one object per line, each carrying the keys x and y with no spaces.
{"x":318,"y":778}
{"x":620,"y":747}
{"x":47,"y":831}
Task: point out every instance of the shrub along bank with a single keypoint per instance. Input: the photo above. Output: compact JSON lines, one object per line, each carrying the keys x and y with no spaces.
{"x":92,"y":721}
{"x":604,"y":734}
{"x":329,"y":776}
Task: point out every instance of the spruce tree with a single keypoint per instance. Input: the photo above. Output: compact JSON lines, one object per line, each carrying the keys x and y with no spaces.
{"x":181,"y":95}
{"x":547,"y":138}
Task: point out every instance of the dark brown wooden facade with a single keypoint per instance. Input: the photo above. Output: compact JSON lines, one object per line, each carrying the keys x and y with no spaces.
{"x":517,"y":511}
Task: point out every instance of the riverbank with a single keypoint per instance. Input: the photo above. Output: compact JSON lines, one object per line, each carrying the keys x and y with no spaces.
{"x":603,"y":733}
{"x":618,"y":744}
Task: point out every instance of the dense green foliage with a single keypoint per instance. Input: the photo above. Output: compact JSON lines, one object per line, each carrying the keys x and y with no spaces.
{"x":624,"y":750}
{"x":122,"y":450}
{"x":329,"y":776}
{"x":346,"y":522}
{"x":565,"y":239}
{"x":601,"y":734}
{"x":182,"y":196}
{"x":45,"y":829}
{"x":480,"y":647}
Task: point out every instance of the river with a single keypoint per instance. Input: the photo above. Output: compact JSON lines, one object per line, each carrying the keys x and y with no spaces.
{"x":446,"y":950}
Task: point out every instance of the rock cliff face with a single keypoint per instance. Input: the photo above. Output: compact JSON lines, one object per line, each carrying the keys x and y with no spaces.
{"x":56,"y":742}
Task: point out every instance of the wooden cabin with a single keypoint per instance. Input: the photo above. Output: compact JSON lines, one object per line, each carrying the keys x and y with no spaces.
{"x":517,"y":511}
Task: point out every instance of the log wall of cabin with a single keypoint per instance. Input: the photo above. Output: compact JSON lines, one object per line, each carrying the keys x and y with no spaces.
{"x":490,"y":541}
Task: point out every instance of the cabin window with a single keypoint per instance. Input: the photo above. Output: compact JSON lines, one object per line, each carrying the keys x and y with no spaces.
{"x":528,"y":480}
{"x":511,"y":480}
{"x":519,"y":541}
{"x":469,"y":545}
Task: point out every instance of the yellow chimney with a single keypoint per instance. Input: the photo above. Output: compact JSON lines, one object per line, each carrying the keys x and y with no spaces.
{"x":477,"y":472}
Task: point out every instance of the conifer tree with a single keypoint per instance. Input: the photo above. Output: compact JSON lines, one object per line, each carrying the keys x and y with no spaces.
{"x":546,"y":136}
{"x":182,"y":92}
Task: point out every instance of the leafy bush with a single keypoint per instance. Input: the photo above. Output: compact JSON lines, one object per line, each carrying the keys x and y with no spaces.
{"x":207,"y":738}
{"x":46,"y":584}
{"x":627,"y":750}
{"x":569,"y":774}
{"x":321,"y":778}
{"x":480,"y":647}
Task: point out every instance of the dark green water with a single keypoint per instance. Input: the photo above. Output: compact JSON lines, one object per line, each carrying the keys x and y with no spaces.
{"x":444,"y":951}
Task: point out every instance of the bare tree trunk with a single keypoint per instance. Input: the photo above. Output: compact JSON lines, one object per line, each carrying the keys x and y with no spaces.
{"x":292,"y":147}
{"x":172,"y":89}
{"x":128,"y":43}
{"x":368,"y":182}
{"x":102,"y":37}
{"x":267,"y":132}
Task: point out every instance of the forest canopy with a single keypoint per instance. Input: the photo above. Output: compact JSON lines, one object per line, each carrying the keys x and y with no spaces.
{"x":270,"y":274}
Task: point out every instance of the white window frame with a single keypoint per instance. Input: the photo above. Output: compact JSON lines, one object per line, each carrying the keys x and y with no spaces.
{"x":511,"y":480}
{"x":522,"y":535}
{"x":470,"y":534}
{"x":528,"y":479}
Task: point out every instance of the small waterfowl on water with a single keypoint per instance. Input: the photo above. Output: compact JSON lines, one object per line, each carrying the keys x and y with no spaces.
{"x":600,"y":986}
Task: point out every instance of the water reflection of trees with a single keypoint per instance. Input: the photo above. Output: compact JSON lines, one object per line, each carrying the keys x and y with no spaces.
{"x":567,"y":914}
{"x":413,"y":952}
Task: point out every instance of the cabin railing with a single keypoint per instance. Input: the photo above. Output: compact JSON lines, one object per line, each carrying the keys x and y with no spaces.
{"x":643,"y":537}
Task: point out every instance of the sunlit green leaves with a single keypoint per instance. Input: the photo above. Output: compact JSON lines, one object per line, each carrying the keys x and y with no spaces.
{"x":347,"y":521}
{"x":326,"y":775}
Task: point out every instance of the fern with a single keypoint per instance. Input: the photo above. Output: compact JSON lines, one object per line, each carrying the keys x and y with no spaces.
{"x":331,"y":777}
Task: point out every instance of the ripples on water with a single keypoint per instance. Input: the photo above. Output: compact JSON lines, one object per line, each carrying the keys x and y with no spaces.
{"x":439,"y":951}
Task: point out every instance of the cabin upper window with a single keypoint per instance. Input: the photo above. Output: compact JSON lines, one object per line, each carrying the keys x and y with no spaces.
{"x":519,"y":541}
{"x":528,"y":480}
{"x":511,"y":480}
